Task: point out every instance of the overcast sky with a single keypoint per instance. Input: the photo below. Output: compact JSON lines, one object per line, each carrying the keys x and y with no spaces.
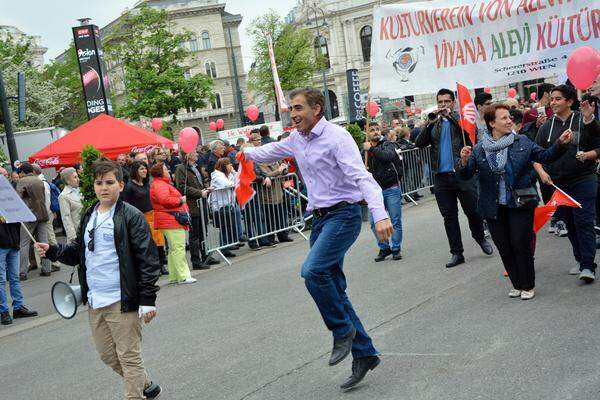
{"x":52,"y":19}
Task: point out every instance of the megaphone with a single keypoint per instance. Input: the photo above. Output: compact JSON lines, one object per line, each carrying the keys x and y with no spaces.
{"x":66,"y":298}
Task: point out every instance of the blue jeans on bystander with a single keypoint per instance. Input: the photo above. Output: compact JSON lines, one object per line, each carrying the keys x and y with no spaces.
{"x":9,"y":270}
{"x":392,"y":199}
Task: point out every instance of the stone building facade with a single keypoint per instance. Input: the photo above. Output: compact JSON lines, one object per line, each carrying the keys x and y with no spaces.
{"x":37,"y":50}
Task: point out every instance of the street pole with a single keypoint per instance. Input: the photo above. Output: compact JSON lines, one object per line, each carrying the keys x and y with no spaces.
{"x":10,"y":138}
{"x":238,"y":92}
{"x":323,"y":70}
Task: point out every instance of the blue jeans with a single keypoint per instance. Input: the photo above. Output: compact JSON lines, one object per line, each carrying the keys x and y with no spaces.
{"x":392,"y":199}
{"x":9,"y":267}
{"x":324,"y":278}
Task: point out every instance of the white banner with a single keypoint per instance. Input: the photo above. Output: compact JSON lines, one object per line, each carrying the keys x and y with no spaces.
{"x":419,"y":48}
{"x":231,"y":135}
{"x":12,"y":208}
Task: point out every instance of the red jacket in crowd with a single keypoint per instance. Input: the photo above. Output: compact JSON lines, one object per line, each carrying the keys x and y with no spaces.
{"x":165,"y":199}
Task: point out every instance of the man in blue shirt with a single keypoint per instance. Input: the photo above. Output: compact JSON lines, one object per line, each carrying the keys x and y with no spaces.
{"x":446,"y":138}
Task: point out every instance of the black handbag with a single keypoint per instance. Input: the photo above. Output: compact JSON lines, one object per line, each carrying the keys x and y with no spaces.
{"x":182,"y":218}
{"x":525,"y":198}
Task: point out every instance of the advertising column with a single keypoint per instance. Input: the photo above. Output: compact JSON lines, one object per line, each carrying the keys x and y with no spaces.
{"x":93,"y":70}
{"x":354,"y":98}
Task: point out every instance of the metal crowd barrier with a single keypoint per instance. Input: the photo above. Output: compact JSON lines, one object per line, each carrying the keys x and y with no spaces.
{"x":417,"y":172}
{"x":273,"y":209}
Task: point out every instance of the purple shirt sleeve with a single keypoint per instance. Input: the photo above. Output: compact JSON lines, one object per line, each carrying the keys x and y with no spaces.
{"x":270,"y":152}
{"x":349,"y":160}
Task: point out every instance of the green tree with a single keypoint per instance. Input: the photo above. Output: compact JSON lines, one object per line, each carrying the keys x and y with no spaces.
{"x":154,"y":63}
{"x":357,"y":134}
{"x":89,"y":154}
{"x":65,"y":75}
{"x":294,"y":53}
{"x":44,"y":99}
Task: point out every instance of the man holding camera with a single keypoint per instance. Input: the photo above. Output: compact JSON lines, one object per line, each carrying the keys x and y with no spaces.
{"x":386,"y":167}
{"x":446,"y":138}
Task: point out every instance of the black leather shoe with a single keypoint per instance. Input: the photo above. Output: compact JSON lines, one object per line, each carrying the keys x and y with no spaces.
{"x":285,"y":239}
{"x":5,"y":318}
{"x":211,"y":261}
{"x":153,"y":391}
{"x":22,"y":277}
{"x":228,"y":253}
{"x":360,"y":367}
{"x":486,"y":247}
{"x":341,"y":348}
{"x":382,"y":255}
{"x":24,"y":312}
{"x":396,"y":255}
{"x":456,"y":259}
{"x":45,"y":273}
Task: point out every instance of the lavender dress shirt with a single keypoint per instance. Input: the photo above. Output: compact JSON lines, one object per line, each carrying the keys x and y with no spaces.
{"x":331,"y":165}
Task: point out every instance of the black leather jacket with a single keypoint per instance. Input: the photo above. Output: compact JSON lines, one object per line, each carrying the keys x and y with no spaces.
{"x":384,"y":164}
{"x":138,"y":257}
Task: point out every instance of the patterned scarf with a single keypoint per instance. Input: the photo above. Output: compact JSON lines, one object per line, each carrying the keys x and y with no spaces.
{"x":496,"y":151}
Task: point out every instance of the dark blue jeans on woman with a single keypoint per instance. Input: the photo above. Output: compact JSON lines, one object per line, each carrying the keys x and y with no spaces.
{"x":331,"y":236}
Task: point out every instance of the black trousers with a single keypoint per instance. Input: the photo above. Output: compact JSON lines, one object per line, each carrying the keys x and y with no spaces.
{"x":197,"y":251}
{"x":448,"y":191}
{"x":512,"y":233}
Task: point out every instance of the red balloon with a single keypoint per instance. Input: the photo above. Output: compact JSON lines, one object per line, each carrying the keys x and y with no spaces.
{"x":213,"y":126}
{"x":487,"y":89}
{"x":252,"y":112}
{"x":157,"y":124}
{"x":188,"y":139}
{"x":418,"y":110}
{"x":372,"y":108}
{"x":512,"y":93}
{"x":583,"y":67}
{"x":220,"y":123}
{"x":533,"y":96}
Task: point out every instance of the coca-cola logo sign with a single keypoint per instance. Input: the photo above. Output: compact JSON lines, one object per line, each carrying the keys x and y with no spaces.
{"x":47,"y":162}
{"x":145,"y":149}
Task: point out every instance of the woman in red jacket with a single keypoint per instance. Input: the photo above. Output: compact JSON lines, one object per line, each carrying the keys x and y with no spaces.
{"x":166,"y":202}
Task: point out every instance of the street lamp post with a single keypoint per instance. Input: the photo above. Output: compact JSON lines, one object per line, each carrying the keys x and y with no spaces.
{"x":316,"y":11}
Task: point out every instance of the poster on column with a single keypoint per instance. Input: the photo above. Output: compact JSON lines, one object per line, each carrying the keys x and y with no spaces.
{"x":418,"y":48}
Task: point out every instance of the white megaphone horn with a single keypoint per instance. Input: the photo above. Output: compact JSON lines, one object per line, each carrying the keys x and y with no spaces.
{"x":66,"y":298}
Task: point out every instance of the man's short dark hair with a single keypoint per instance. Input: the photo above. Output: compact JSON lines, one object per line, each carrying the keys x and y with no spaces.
{"x":132,"y":154}
{"x":516,"y":115}
{"x":264,"y":131}
{"x":544,"y":88}
{"x":481,"y":98}
{"x":26,"y":168}
{"x":568,"y":92}
{"x":442,"y":92}
{"x":313,"y":97}
{"x":105,"y":166}
{"x":255,"y":130}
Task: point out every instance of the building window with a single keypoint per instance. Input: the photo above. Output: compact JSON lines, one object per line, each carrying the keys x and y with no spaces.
{"x":206,"y":41}
{"x":187,"y":74}
{"x":365,"y":42}
{"x":216,"y":102}
{"x":322,"y":50}
{"x":193,"y":43}
{"x":211,"y":69}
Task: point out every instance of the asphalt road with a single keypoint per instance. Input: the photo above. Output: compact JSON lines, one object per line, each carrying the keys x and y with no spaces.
{"x":251,"y":331}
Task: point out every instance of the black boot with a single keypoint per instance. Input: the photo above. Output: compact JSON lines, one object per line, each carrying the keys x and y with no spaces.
{"x":360,"y":367}
{"x":162,"y":258}
{"x":383,"y":254}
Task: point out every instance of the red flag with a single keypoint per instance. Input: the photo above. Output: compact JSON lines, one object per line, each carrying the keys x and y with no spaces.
{"x":468,"y":111}
{"x":244,"y":178}
{"x":542,"y":215}
{"x":560,"y":198}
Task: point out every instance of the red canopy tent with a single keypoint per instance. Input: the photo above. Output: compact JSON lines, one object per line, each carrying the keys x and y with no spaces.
{"x":108,"y":134}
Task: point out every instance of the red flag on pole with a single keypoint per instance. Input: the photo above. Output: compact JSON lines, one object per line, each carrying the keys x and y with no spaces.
{"x":283,"y":107}
{"x":560,"y":198}
{"x":243,"y":189}
{"x":468,"y":111}
{"x":544,"y":213}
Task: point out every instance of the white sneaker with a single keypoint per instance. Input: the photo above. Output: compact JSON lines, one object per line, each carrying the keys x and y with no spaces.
{"x":527,"y":294}
{"x":552,"y":228}
{"x":514,"y":293}
{"x":561,"y":229}
{"x":188,"y":280}
{"x":576,"y":270}
{"x":587,"y":276}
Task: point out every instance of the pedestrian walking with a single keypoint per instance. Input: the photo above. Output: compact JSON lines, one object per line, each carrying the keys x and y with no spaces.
{"x":70,"y":203}
{"x":118,"y":270}
{"x":336,"y":180}
{"x":502,"y":162}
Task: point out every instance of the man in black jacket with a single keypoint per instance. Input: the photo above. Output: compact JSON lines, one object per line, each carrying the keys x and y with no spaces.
{"x":118,"y":271}
{"x":446,"y":138}
{"x":386,"y":167}
{"x":574,"y":173}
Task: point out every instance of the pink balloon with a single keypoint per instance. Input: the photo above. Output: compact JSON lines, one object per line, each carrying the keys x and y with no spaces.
{"x":487,"y":89}
{"x":418,"y":110}
{"x":372,"y":108}
{"x":220,"y":123}
{"x":252,"y":112}
{"x":533,"y":96}
{"x":157,"y":124}
{"x":583,"y":67}
{"x":188,"y":139}
{"x":213,"y":126}
{"x":512,"y":93}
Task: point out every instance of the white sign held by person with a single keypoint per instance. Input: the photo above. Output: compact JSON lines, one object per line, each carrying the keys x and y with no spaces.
{"x":231,"y":135}
{"x":12,"y":208}
{"x":418,"y":48}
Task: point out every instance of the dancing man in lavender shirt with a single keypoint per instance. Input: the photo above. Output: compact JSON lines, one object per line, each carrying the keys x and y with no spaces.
{"x":336,"y":180}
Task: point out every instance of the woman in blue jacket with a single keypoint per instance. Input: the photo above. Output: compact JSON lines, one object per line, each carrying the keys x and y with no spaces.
{"x":503,"y":163}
